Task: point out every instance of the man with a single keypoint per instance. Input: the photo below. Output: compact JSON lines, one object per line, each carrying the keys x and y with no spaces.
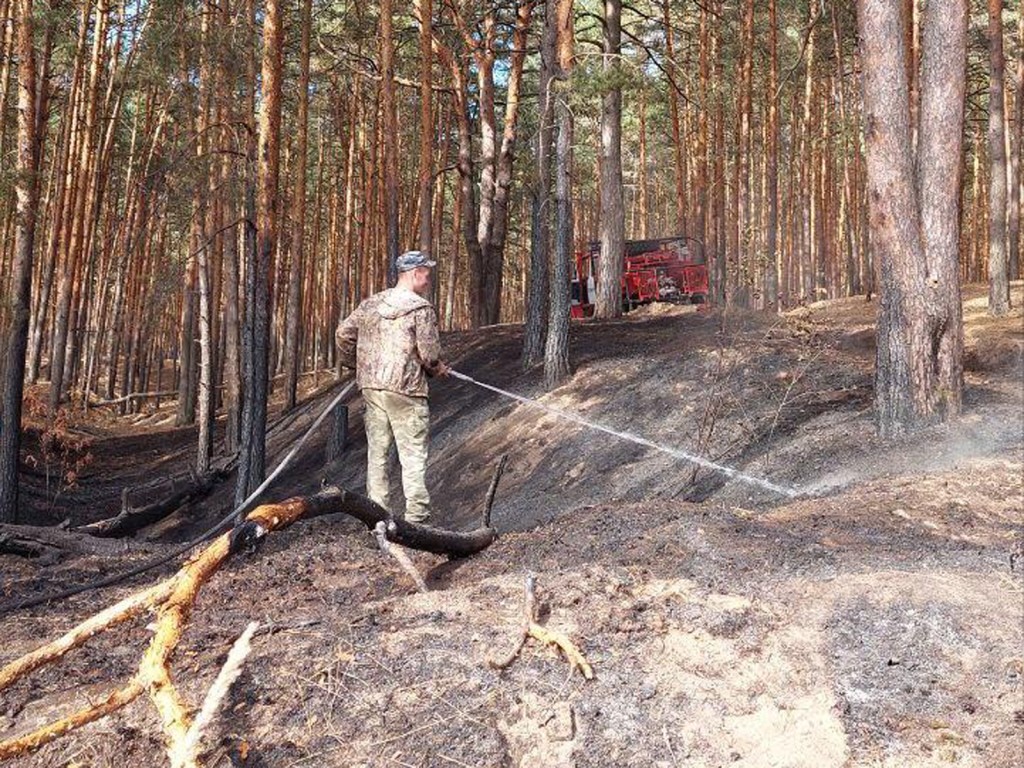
{"x":391,"y":339}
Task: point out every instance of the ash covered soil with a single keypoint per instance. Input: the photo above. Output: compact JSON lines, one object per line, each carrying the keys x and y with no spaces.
{"x":874,"y":618}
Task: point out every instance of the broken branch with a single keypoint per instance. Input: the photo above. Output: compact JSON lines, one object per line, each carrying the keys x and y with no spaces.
{"x":129,"y":519}
{"x":380,"y":533}
{"x":175,"y":597}
{"x":32,"y":741}
{"x":189,"y":748}
{"x":493,"y":489}
{"x":547,"y":636}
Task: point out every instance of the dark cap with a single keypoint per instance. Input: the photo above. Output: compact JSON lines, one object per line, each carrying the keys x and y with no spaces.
{"x":411,"y":260}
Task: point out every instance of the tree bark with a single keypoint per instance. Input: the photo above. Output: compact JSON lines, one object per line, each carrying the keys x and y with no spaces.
{"x":293,"y":324}
{"x":678,"y":138}
{"x":741,"y":280}
{"x":538,"y":298}
{"x":254,"y":414}
{"x":132,"y":519}
{"x":612,"y":226}
{"x":556,"y":350}
{"x":914,"y":226}
{"x":390,"y":131}
{"x":1017,"y":131}
{"x":771,"y":268}
{"x":494,"y":251}
{"x":15,"y":337}
{"x":998,"y":267}
{"x":425,"y":12}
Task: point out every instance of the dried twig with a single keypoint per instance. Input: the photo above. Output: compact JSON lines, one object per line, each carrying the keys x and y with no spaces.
{"x":547,"y":636}
{"x":493,"y":489}
{"x":389,"y":548}
{"x":529,"y":612}
{"x":187,"y":751}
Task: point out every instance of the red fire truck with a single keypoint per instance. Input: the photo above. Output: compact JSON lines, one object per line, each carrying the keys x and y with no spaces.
{"x":653,"y":270}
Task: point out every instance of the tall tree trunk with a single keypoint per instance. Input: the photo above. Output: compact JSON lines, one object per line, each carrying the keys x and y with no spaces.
{"x":494,"y":249}
{"x":484,"y":59}
{"x":257,"y":342}
{"x":716,"y":161}
{"x":390,"y":131}
{"x":914,"y":229}
{"x":467,"y":192}
{"x":612,"y":225}
{"x":742,"y":205}
{"x":943,"y":88}
{"x":292,"y":324}
{"x":1014,"y":142}
{"x":203,"y":227}
{"x":771,"y":282}
{"x":76,"y":243}
{"x":643,"y":207}
{"x":15,"y":336}
{"x":535,"y":332}
{"x":678,"y":140}
{"x":998,"y":272}
{"x":556,"y":350}
{"x":703,"y":175}
{"x":186,"y":409}
{"x":232,"y":332}
{"x":424,"y":10}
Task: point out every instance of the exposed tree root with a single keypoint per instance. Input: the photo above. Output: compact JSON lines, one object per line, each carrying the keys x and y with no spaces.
{"x":532,"y":629}
{"x":174,"y":598}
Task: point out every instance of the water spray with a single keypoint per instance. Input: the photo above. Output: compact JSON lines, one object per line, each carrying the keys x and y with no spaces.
{"x":677,"y":453}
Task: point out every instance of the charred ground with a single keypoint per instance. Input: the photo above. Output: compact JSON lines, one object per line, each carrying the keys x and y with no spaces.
{"x":876,"y":619}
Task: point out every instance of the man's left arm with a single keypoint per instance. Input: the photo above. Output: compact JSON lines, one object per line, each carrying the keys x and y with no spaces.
{"x":346,"y":336}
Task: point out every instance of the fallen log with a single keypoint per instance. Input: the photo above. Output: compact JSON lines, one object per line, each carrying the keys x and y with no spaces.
{"x":42,"y":538}
{"x":42,"y":553}
{"x":132,"y":519}
{"x":174,"y":598}
{"x":425,"y":538}
{"x":94,"y":401}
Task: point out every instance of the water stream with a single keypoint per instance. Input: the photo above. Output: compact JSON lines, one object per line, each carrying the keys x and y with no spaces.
{"x":677,"y":453}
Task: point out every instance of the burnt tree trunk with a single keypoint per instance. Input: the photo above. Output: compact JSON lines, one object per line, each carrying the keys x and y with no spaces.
{"x":535,"y":332}
{"x":390,"y":131}
{"x":608,"y":302}
{"x":256,"y":343}
{"x":913,"y":216}
{"x":15,"y":336}
{"x":424,"y":10}
{"x":556,"y":349}
{"x":771,"y":267}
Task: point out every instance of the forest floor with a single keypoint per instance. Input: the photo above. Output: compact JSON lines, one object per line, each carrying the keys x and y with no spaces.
{"x":874,"y":618}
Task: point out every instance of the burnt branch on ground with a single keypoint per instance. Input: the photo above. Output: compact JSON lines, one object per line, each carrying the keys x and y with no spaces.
{"x":173,"y":601}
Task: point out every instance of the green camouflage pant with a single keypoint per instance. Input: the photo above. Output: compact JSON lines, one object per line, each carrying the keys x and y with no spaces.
{"x":405,"y":421}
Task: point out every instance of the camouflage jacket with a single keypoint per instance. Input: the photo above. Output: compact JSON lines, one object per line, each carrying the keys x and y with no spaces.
{"x":391,"y":339}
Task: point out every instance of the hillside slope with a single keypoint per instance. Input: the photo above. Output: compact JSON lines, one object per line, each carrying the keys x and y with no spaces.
{"x":877,"y":619}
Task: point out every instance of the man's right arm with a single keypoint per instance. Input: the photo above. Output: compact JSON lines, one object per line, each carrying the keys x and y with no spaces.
{"x":347,"y":335}
{"x":428,"y":343}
